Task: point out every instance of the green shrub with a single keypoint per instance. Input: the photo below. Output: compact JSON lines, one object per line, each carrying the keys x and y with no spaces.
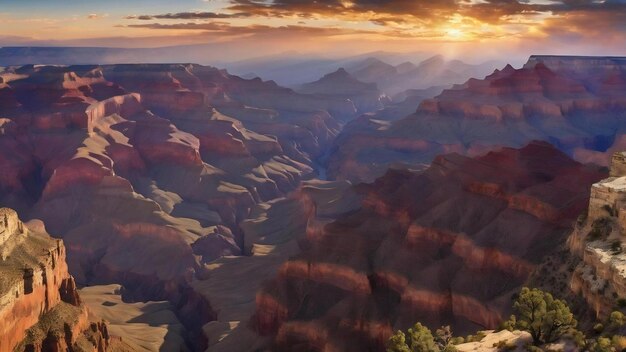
{"x":598,"y":328}
{"x":420,"y":339}
{"x":603,"y":344}
{"x":475,"y":338}
{"x":617,"y":319}
{"x":457,"y":340}
{"x":546,"y":319}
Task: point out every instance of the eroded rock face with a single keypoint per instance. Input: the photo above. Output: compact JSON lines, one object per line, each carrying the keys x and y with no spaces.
{"x":273,"y":234}
{"x":37,"y":290}
{"x":447,"y":245}
{"x":146,"y":171}
{"x":597,"y":243}
{"x":577,"y":104}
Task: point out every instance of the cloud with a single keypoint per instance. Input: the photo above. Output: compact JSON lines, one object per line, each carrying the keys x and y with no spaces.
{"x":428,"y":19}
{"x":96,"y":16}
{"x":583,"y":20}
{"x":428,"y":13}
{"x":189,"y":16}
{"x":225,"y":29}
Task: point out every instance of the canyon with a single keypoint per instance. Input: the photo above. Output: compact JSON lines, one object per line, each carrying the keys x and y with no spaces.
{"x":575,"y":103}
{"x":204,"y":211}
{"x":85,"y":151}
{"x":449,"y":245}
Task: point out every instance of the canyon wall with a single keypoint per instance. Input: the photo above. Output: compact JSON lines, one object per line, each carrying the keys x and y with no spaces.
{"x":146,"y":171}
{"x":449,"y":245}
{"x":575,"y":103}
{"x":38,"y":292}
{"x":273,"y":233}
{"x":597,"y":241}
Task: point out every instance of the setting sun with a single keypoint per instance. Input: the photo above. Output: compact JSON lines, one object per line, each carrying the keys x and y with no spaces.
{"x":454,"y":33}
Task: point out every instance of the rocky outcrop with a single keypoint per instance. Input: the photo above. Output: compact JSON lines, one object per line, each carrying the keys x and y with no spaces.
{"x":67,"y":328}
{"x":597,"y":242}
{"x":449,"y":245}
{"x":39,"y":306}
{"x":494,"y":341}
{"x":577,"y":107}
{"x":124,"y":105}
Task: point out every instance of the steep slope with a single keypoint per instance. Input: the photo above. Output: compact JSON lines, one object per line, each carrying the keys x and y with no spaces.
{"x":447,"y":245}
{"x":597,"y":244}
{"x":146,"y":171}
{"x":40,"y":308}
{"x":273,"y":234}
{"x":577,"y":104}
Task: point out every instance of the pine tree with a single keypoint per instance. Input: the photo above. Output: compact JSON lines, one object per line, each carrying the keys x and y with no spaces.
{"x":544,"y":317}
{"x":420,"y":339}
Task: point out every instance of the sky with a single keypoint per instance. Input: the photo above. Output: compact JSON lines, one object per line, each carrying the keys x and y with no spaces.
{"x":474,"y":29}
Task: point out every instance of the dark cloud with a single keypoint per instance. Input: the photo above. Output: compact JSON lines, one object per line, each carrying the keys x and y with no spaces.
{"x":211,"y":26}
{"x":398,"y":11}
{"x":426,"y":11}
{"x":498,"y":11}
{"x":226,"y":29}
{"x":189,"y":16}
{"x":417,"y":18}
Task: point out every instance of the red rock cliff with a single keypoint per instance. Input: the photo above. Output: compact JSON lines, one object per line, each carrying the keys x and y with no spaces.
{"x":449,"y":245}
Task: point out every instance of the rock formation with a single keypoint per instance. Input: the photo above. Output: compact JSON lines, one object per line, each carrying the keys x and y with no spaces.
{"x":146,"y":171}
{"x":577,"y":104}
{"x":597,"y":241}
{"x":272,"y":235}
{"x":39,"y":307}
{"x":191,"y":187}
{"x":447,"y":245}
{"x":513,"y":340}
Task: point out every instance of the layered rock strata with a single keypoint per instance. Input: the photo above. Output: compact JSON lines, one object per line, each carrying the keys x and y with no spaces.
{"x":576,"y":103}
{"x":597,"y":241}
{"x":274,"y":232}
{"x":146,"y":171}
{"x":40,"y":309}
{"x":449,"y":245}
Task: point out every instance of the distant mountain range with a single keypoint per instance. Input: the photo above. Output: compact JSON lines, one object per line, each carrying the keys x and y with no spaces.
{"x":575,"y":103}
{"x":392,"y":72}
{"x":434,"y":71}
{"x":340,"y":84}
